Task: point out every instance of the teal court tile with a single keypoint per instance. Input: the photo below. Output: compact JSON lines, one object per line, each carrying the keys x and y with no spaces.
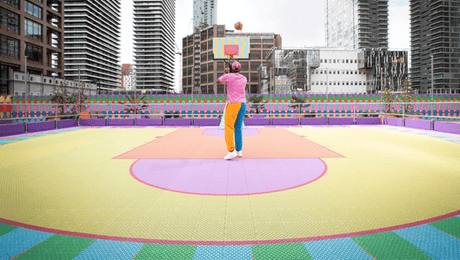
{"x":435,"y":243}
{"x":166,"y":252}
{"x":4,"y":228}
{"x":280,"y":251}
{"x":19,"y":240}
{"x":223,"y":252}
{"x":339,"y":249}
{"x":58,"y":247}
{"x":388,"y":245}
{"x":104,"y":249}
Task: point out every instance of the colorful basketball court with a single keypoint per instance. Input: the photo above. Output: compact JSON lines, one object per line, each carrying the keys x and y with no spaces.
{"x":353,"y":192}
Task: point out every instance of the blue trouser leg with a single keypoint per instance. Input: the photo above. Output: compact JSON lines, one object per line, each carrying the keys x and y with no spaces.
{"x":239,"y":127}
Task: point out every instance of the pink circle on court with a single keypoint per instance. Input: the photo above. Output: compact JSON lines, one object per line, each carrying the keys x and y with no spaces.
{"x":217,"y":177}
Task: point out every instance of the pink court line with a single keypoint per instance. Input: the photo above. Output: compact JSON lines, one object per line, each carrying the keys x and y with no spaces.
{"x":229,"y":195}
{"x":228,"y":243}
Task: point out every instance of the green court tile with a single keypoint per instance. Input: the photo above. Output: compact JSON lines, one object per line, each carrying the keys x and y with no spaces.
{"x":160,"y":251}
{"x":388,"y":245}
{"x":58,"y":247}
{"x":4,"y":228}
{"x":450,"y":226}
{"x":280,"y":251}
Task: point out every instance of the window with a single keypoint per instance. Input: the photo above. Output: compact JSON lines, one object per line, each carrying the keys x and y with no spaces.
{"x":210,"y":78}
{"x":14,"y":3}
{"x":255,"y":54}
{"x":254,"y":77}
{"x":32,"y":9}
{"x":244,"y":66}
{"x":9,"y":47}
{"x":33,"y":30}
{"x":34,"y":53}
{"x":220,"y":66}
{"x":9,"y":21}
{"x":253,"y":89}
{"x":204,"y":68}
{"x":211,"y":66}
{"x":211,"y":89}
{"x":255,"y":66}
{"x":220,"y":89}
{"x":204,"y":90}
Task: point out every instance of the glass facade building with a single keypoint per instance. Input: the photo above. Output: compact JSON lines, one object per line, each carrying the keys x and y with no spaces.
{"x":356,"y":24}
{"x":435,"y":30}
{"x":92,"y":42}
{"x":204,"y":13}
{"x":154,"y":44}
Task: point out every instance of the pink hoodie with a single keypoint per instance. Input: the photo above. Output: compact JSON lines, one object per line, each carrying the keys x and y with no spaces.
{"x":236,"y":84}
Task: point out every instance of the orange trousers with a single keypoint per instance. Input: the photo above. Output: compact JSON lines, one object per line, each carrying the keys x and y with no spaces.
{"x":234,"y":115}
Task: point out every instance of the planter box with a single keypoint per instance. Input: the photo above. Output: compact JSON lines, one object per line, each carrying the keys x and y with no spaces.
{"x":313,"y":121}
{"x":447,"y":127}
{"x":340,"y":121}
{"x":41,"y":126}
{"x":367,"y":121}
{"x":206,"y":121}
{"x":93,"y":122}
{"x":15,"y":129}
{"x":149,"y":122}
{"x":418,"y":124}
{"x":394,"y":121}
{"x":256,"y":121}
{"x":285,"y":121}
{"x":67,"y":123}
{"x":178,"y":121}
{"x":121,"y":122}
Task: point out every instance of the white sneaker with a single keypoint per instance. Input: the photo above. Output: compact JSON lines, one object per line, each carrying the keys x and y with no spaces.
{"x":239,"y":153}
{"x":230,"y":155}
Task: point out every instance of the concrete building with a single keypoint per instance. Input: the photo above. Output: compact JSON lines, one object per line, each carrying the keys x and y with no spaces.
{"x":128,"y":77}
{"x":332,"y":70}
{"x":356,"y":24}
{"x":154,"y":44}
{"x":40,"y":85}
{"x":200,"y":71}
{"x":92,"y":41}
{"x":33,"y":29}
{"x":435,"y":30}
{"x":204,"y":13}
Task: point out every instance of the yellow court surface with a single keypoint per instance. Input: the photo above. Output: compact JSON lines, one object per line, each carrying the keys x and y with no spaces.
{"x":368,"y":179}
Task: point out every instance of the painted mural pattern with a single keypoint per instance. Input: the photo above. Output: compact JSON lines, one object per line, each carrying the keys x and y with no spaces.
{"x":208,"y":106}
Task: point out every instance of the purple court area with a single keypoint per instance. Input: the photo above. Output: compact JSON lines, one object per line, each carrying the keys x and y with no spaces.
{"x":221,"y":132}
{"x":234,"y":177}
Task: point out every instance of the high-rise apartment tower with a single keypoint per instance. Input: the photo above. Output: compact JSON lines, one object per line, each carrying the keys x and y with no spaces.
{"x":204,"y":13}
{"x":435,"y":30}
{"x":154,"y":44}
{"x":92,"y":41}
{"x":356,"y":24}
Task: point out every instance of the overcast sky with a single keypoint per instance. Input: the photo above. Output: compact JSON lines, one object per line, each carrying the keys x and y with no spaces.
{"x":299,"y":22}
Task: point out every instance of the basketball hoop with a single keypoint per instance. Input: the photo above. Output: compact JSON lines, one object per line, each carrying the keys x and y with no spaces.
{"x":231,"y":50}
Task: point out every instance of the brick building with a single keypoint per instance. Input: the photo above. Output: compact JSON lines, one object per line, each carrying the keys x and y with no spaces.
{"x":32,"y":28}
{"x":200,"y":71}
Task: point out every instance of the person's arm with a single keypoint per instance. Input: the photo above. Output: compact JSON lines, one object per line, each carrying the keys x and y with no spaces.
{"x":222,"y":79}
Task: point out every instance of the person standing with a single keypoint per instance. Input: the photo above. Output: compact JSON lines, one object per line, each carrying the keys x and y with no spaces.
{"x":235,"y":111}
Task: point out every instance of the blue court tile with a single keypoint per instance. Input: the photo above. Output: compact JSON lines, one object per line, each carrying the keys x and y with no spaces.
{"x":208,"y":252}
{"x":344,"y":248}
{"x":458,"y":216}
{"x":19,"y":240}
{"x":237,"y":252}
{"x":223,"y":252}
{"x":104,"y":249}
{"x":435,"y":243}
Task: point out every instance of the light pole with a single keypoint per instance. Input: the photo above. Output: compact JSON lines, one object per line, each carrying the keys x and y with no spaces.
{"x":432,"y":82}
